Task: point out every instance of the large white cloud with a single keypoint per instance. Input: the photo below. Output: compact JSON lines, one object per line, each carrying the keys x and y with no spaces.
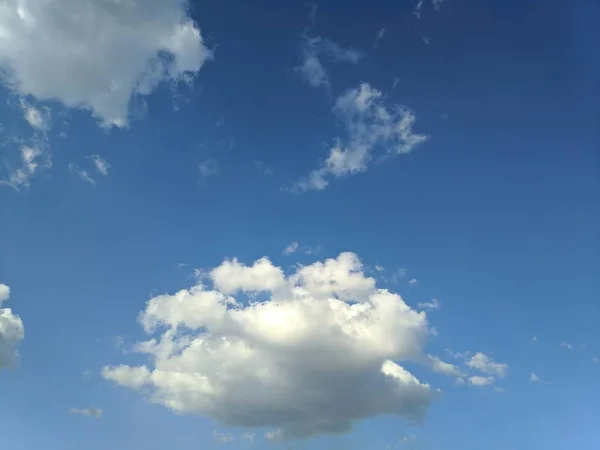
{"x":301,"y":353}
{"x":11,"y":330}
{"x":97,"y":54}
{"x":370,"y":124}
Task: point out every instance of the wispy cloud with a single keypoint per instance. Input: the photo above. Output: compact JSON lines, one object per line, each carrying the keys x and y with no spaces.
{"x":101,"y":165}
{"x":312,"y":15}
{"x":536,"y":379}
{"x":439,"y":366}
{"x":38,"y":119}
{"x":379,"y":36}
{"x":566,"y":345}
{"x":420,"y":5}
{"x":481,"y":381}
{"x":262,"y":167}
{"x":314,"y":49}
{"x":369,"y":125}
{"x":33,"y":159}
{"x":408,"y":442}
{"x":433,"y":304}
{"x":80,"y":173}
{"x":413,"y":283}
{"x":292,"y":248}
{"x":296,"y":247}
{"x":487,"y":365}
{"x":208,"y":168}
{"x":87,"y":412}
{"x":33,"y":154}
{"x":222,"y":437}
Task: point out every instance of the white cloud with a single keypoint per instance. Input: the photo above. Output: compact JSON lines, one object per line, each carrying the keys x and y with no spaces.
{"x":312,"y":15}
{"x":262,"y":167}
{"x":566,"y":345}
{"x":12,"y":331}
{"x":437,"y":4}
{"x":292,"y":248}
{"x":131,"y":377}
{"x":33,"y":153}
{"x":320,"y":352}
{"x":408,"y":442}
{"x":487,"y":365}
{"x":306,"y":249}
{"x":379,"y":36}
{"x":38,"y":119}
{"x":439,"y":366}
{"x":4,"y":293}
{"x":208,"y":168}
{"x":433,"y":304}
{"x":369,"y":125}
{"x":418,"y":9}
{"x":101,"y":165}
{"x":398,"y":274}
{"x":313,"y":50}
{"x":87,"y":412}
{"x":248,"y":436}
{"x":95,"y":54}
{"x":222,"y":437}
{"x":596,"y":359}
{"x":83,"y":175}
{"x":481,"y":381}
{"x":536,"y":379}
{"x":413,"y":282}
{"x":33,"y":159}
{"x":232,"y":276}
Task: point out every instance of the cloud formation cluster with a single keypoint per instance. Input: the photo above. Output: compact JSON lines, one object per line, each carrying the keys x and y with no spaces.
{"x":95,"y":54}
{"x":11,"y":330}
{"x":301,"y":353}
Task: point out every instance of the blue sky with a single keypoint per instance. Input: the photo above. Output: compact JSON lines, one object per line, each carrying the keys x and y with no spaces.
{"x":445,"y":151}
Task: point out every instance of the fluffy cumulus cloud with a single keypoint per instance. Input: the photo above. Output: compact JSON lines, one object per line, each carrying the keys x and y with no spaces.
{"x":97,"y":54}
{"x":300,"y":353}
{"x":11,"y":330}
{"x":369,"y":125}
{"x":314,"y":49}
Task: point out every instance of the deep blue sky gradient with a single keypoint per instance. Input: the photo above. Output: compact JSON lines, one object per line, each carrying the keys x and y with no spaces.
{"x":497,"y":215}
